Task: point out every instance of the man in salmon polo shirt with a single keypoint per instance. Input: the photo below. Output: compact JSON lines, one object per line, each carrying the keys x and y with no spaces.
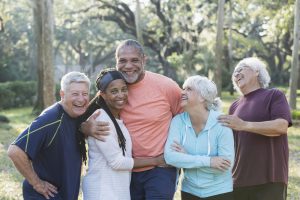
{"x":153,"y":100}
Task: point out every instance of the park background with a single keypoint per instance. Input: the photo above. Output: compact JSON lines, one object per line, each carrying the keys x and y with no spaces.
{"x":41,"y":40}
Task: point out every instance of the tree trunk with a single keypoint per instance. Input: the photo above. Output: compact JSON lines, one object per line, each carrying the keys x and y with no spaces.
{"x":295,"y":64}
{"x":43,"y":23}
{"x":217,"y":75}
{"x":137,"y":17}
{"x":231,"y":67}
{"x":167,"y":69}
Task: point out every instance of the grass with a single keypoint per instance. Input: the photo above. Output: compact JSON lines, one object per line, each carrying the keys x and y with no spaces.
{"x":10,"y":179}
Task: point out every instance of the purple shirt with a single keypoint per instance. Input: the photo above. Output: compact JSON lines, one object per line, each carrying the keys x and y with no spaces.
{"x":260,"y":159}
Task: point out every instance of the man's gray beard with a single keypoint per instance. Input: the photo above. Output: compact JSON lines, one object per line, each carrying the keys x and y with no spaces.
{"x":127,"y":78}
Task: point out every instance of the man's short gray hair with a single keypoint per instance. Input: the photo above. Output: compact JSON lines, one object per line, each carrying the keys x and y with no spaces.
{"x":130,"y":43}
{"x":205,"y":88}
{"x":256,"y":65}
{"x":73,"y":77}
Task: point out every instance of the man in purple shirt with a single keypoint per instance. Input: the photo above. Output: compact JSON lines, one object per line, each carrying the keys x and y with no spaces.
{"x":260,"y":119}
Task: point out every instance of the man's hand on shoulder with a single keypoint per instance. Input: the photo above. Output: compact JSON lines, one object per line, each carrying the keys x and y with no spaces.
{"x":96,"y":129}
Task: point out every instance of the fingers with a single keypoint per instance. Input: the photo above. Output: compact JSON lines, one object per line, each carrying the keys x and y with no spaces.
{"x":177,"y":147}
{"x":220,"y":163}
{"x":46,"y":189}
{"x":103,"y":126}
{"x":162,"y":161}
{"x":96,"y":114}
{"x":226,"y":120}
{"x":100,"y":130}
{"x":224,"y":165}
{"x":176,"y":142}
{"x":51,"y":190}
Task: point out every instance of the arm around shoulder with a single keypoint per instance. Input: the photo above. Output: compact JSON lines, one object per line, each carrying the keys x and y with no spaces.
{"x":94,"y":128}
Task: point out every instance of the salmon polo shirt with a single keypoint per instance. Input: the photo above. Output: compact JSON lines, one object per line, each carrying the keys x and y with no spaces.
{"x":152,"y":102}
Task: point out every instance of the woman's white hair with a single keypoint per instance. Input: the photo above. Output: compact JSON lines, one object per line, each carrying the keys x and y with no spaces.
{"x":256,"y":65}
{"x":73,"y":77}
{"x":207,"y":89}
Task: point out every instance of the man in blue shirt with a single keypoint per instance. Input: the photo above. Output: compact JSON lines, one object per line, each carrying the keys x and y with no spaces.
{"x":47,"y":153}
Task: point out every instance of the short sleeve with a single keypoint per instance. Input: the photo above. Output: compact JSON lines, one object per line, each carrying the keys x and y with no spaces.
{"x":279,"y":107}
{"x":174,"y":97}
{"x":38,"y":135}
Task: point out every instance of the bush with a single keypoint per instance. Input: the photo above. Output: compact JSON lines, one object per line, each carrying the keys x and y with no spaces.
{"x":17,"y":94}
{"x":296,"y":114}
{"x":4,"y":119}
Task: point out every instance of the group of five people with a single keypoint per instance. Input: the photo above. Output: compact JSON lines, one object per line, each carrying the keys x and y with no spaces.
{"x":147,"y":128}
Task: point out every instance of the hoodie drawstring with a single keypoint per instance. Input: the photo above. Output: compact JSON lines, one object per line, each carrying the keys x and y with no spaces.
{"x":208,"y":141}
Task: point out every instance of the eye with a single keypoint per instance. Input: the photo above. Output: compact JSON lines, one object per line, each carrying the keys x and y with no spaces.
{"x":135,"y":60}
{"x":85,"y":94}
{"x":122,"y":61}
{"x":124,"y":89}
{"x":114,"y":91}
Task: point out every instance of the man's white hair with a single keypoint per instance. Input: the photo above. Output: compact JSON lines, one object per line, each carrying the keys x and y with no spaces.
{"x":256,"y":65}
{"x":73,"y":77}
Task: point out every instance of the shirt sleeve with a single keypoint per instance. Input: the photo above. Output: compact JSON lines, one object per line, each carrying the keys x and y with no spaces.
{"x":177,"y":159}
{"x":111,"y":150}
{"x":39,"y":135}
{"x":226,"y":144}
{"x":280,"y":107}
{"x":174,"y":97}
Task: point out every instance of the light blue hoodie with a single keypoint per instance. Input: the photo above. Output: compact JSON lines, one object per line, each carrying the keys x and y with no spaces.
{"x":214,"y":140}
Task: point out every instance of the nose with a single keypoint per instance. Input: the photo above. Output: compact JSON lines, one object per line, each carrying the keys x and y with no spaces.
{"x":82,"y":97}
{"x":128,"y":64}
{"x":121,"y":94}
{"x":236,"y":74}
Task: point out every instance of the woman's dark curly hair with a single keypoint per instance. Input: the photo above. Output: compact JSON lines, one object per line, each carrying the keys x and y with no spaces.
{"x":96,"y":103}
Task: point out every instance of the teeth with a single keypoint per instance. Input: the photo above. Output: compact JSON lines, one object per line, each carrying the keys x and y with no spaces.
{"x":79,"y":106}
{"x":129,"y":72}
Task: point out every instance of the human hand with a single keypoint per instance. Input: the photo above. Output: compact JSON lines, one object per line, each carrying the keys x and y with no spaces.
{"x":46,"y":189}
{"x":220,"y":163}
{"x":233,"y":122}
{"x":96,"y":129}
{"x":177,"y":147}
{"x":160,"y":161}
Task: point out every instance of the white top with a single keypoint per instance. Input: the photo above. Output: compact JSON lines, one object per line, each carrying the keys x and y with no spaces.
{"x":109,"y":172}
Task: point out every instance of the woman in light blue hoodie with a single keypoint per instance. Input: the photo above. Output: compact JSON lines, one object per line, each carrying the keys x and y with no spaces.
{"x":200,"y":145}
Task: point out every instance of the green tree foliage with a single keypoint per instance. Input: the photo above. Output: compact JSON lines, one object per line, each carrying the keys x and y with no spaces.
{"x":179,"y":36}
{"x":15,"y":37}
{"x":263,"y":29}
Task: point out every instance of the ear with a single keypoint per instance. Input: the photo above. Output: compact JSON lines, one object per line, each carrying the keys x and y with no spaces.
{"x":62,"y":94}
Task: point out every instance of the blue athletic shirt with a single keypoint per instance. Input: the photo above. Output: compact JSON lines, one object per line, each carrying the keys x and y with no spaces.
{"x":51,"y":145}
